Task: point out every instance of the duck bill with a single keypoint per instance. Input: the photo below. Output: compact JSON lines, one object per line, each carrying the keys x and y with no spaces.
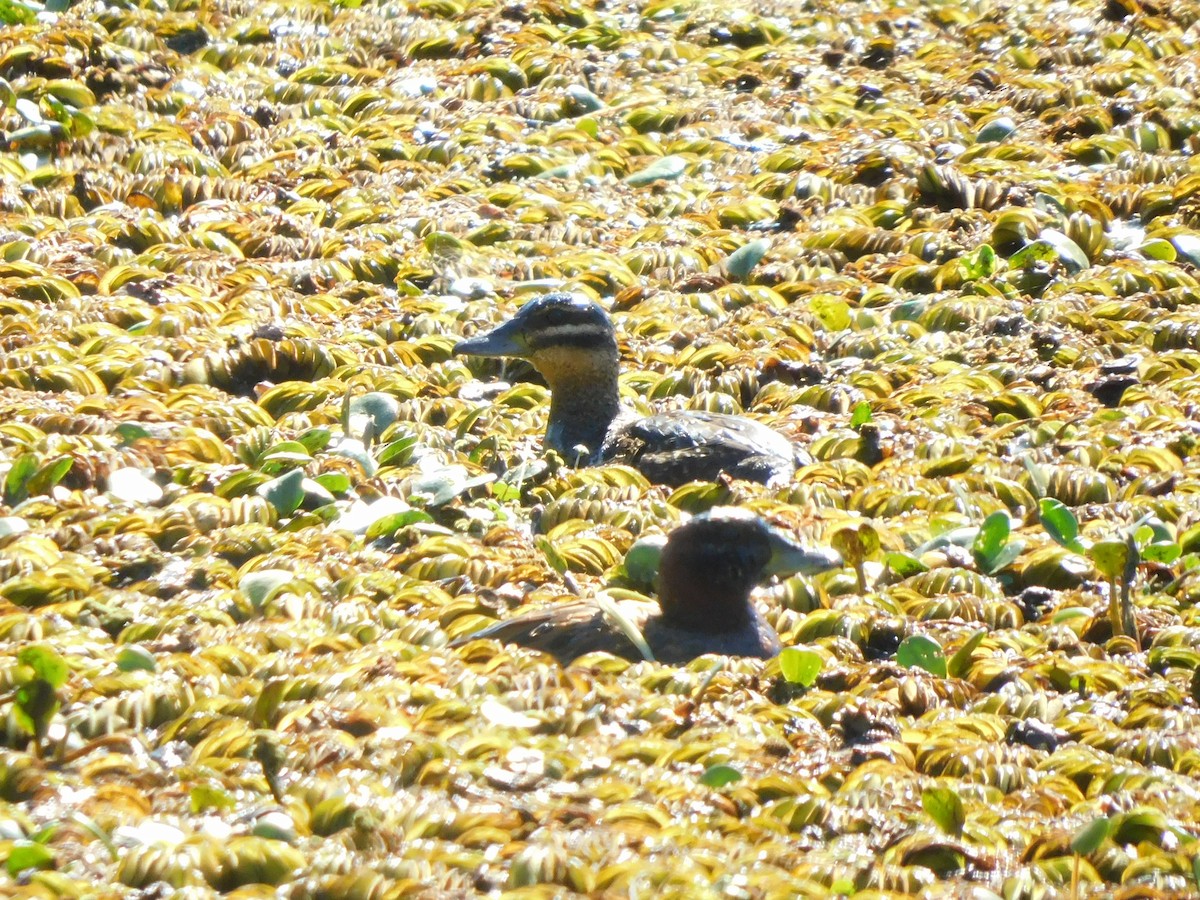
{"x":790,"y":558}
{"x":504,"y":340}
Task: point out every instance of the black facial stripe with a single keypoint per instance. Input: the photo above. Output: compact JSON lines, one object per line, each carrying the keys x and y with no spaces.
{"x":574,"y":335}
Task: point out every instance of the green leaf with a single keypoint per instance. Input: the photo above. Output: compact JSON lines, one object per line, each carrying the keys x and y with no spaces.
{"x":380,"y":409}
{"x":443,"y":484}
{"x":993,"y":534}
{"x":241,"y":483}
{"x":20,"y":472}
{"x":861,"y":415}
{"x":921,"y":652}
{"x":1161,"y":552}
{"x":36,"y":704}
{"x":47,"y":664}
{"x":13,"y":13}
{"x":960,"y":662}
{"x":668,"y":168}
{"x":834,"y":312}
{"x":28,"y":855}
{"x":334,"y":482}
{"x":390,"y":524}
{"x":742,"y":260}
{"x":285,"y":493}
{"x":135,"y":658}
{"x":287,"y":451}
{"x":258,"y":587}
{"x":980,"y":263}
{"x":49,"y":475}
{"x":800,"y":666}
{"x":1069,"y":253}
{"x":904,"y":565}
{"x":1033,"y":253}
{"x":204,"y":797}
{"x":643,"y":558}
{"x":315,"y":439}
{"x":397,"y":452}
{"x":554,"y":559}
{"x":945,"y":807}
{"x":1110,"y":557}
{"x":1060,"y":524}
{"x":10,"y":525}
{"x":1090,"y":837}
{"x":719,"y":775}
{"x":504,"y":492}
{"x":129,"y":432}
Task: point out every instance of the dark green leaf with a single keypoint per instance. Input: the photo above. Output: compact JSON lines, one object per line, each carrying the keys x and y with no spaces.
{"x":14,"y":482}
{"x":919,"y":651}
{"x":130,"y":432}
{"x":1090,"y":837}
{"x":800,"y":666}
{"x":993,"y":534}
{"x":315,"y":439}
{"x":285,"y":493}
{"x":37,"y":702}
{"x":1060,"y":524}
{"x":904,"y":565}
{"x":47,"y":664}
{"x":720,"y":775}
{"x":49,"y":475}
{"x":945,"y":807}
{"x":397,"y":452}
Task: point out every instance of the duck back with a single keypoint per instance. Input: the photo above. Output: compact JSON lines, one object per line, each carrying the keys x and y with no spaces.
{"x":674,"y":448}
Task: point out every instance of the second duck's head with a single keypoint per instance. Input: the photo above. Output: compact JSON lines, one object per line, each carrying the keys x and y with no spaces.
{"x":561,"y":334}
{"x":711,"y":563}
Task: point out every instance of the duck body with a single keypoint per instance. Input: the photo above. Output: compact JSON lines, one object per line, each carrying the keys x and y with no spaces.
{"x":572,"y":343}
{"x":709,"y":567}
{"x":568,"y":631}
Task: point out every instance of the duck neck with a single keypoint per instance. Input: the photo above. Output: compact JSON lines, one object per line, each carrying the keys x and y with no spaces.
{"x":584,"y":399}
{"x":703,"y":597}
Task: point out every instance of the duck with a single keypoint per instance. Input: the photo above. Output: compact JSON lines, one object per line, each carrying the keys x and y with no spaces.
{"x":571,"y":342}
{"x":708,"y":568}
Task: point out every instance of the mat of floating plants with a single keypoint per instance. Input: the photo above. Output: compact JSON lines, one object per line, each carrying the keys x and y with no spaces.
{"x":251,"y":496}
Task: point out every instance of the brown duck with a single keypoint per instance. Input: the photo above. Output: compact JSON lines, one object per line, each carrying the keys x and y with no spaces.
{"x":571,"y":342}
{"x":708,"y":568}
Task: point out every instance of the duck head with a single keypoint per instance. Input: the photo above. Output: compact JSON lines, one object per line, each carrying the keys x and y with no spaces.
{"x":570,"y":340}
{"x":546,"y":325}
{"x":711,"y":563}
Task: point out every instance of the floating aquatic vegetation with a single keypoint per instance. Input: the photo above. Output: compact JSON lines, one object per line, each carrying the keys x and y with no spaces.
{"x":248,"y":497}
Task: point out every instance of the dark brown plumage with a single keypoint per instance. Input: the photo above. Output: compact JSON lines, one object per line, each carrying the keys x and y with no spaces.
{"x":708,"y":569}
{"x":571,"y":342}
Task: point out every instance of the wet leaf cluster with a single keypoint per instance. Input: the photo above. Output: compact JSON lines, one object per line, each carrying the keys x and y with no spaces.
{"x":250,"y":497}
